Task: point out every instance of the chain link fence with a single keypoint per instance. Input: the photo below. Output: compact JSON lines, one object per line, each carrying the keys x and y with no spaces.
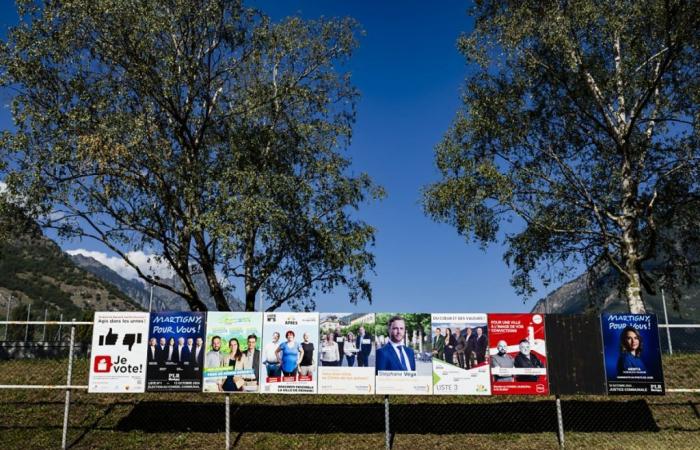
{"x":44,"y":404}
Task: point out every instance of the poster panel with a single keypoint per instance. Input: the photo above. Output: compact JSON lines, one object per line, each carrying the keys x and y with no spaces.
{"x":233,"y":347}
{"x":632,"y":354}
{"x":175,"y":351}
{"x":460,"y":356}
{"x":404,"y":354}
{"x":518,"y":354}
{"x":118,"y":356}
{"x":290,"y":353}
{"x":346,"y":353}
{"x":574,"y":354}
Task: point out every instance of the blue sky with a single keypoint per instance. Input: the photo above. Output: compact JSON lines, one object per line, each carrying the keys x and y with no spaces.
{"x":410,"y":75}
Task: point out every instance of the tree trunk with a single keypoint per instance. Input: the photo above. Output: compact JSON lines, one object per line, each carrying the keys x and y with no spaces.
{"x":632,"y":279}
{"x":248,"y":262}
{"x":633,"y":292}
{"x":250,"y":300}
{"x":196,"y":304}
{"x":630,"y":242}
{"x":207,"y":266}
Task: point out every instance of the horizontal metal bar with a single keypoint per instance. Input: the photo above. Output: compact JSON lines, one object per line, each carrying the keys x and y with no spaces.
{"x":40,"y":386}
{"x":53,"y":386}
{"x":41,"y":322}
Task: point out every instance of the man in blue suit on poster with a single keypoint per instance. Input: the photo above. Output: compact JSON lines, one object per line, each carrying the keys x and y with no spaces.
{"x":394,"y":355}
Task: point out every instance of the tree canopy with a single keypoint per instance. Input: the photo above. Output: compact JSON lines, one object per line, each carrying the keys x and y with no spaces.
{"x":197,"y":130}
{"x":580,"y":123}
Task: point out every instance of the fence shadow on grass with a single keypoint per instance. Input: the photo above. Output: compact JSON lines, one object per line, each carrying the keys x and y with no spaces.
{"x":507,"y":417}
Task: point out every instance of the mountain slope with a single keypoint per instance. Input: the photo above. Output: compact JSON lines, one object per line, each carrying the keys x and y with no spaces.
{"x":33,"y":269}
{"x":574,"y":297}
{"x":163,"y":300}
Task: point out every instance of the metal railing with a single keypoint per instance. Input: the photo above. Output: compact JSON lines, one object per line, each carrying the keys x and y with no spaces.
{"x":69,"y":387}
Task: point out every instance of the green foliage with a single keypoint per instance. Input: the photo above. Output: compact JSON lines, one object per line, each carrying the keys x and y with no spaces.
{"x":198,"y":130}
{"x":413,"y":321}
{"x":581,"y":124}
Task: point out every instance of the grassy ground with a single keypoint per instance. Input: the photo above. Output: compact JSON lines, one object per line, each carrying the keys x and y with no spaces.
{"x":33,"y":419}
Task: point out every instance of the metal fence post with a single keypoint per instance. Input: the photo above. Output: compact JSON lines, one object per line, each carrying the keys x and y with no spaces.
{"x":68,"y":386}
{"x":560,"y":423}
{"x":26,"y":329}
{"x":387,"y":428}
{"x":43,"y":331}
{"x":228,"y":421}
{"x":60,"y":325}
{"x":668,"y":329}
{"x":8,"y":316}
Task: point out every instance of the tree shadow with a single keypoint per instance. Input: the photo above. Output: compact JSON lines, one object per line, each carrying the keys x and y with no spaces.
{"x":507,"y":417}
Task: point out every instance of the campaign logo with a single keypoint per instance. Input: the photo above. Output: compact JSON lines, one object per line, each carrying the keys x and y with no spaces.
{"x":129,"y":339}
{"x":102,"y":364}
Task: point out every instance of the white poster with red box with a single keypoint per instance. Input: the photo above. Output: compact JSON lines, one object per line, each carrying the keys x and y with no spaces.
{"x":118,"y":355}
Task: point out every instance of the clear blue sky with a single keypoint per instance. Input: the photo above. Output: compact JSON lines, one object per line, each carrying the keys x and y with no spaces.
{"x":410,"y":75}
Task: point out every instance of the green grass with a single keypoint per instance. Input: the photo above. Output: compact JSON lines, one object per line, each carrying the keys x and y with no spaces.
{"x":33,"y":418}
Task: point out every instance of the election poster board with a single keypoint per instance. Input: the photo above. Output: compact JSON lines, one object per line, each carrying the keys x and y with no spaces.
{"x":632,"y":354}
{"x":172,"y":352}
{"x":518,"y":354}
{"x":460,"y":354}
{"x":118,"y":356}
{"x":574,"y":354}
{"x":290,"y":353}
{"x":232,"y":358}
{"x":404,"y":354}
{"x":346,"y":353}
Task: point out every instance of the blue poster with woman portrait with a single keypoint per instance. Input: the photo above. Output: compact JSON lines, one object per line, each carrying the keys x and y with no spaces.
{"x":632,"y":354}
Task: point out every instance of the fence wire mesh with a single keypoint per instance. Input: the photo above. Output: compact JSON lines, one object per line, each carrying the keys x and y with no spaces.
{"x":33,"y":418}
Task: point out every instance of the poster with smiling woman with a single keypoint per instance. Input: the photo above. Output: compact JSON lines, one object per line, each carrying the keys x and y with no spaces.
{"x":289,"y":353}
{"x":404,"y":354}
{"x":632,"y":354}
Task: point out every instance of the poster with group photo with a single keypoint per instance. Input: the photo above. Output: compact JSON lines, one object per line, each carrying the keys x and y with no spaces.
{"x":346,"y":353}
{"x":632,"y":354}
{"x":460,"y":354}
{"x":289,"y":353}
{"x":175,"y":352}
{"x":232,"y":358}
{"x":118,"y":356}
{"x":404,"y":354}
{"x":518,"y":354}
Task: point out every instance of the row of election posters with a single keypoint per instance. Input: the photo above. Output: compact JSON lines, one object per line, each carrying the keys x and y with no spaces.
{"x":367,"y":353}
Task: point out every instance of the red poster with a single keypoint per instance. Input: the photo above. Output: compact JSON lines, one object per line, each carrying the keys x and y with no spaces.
{"x":518,"y":354}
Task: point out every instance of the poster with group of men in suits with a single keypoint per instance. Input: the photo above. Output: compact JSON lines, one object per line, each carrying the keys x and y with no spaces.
{"x":460,"y":354}
{"x":175,"y":351}
{"x":374,"y":353}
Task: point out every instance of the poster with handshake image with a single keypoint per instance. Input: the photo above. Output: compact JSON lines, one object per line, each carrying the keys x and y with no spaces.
{"x":118,"y":357}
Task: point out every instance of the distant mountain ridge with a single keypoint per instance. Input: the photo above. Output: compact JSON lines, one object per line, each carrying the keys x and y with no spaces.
{"x":163,"y":300}
{"x":34,"y":270}
{"x":573,"y":298}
